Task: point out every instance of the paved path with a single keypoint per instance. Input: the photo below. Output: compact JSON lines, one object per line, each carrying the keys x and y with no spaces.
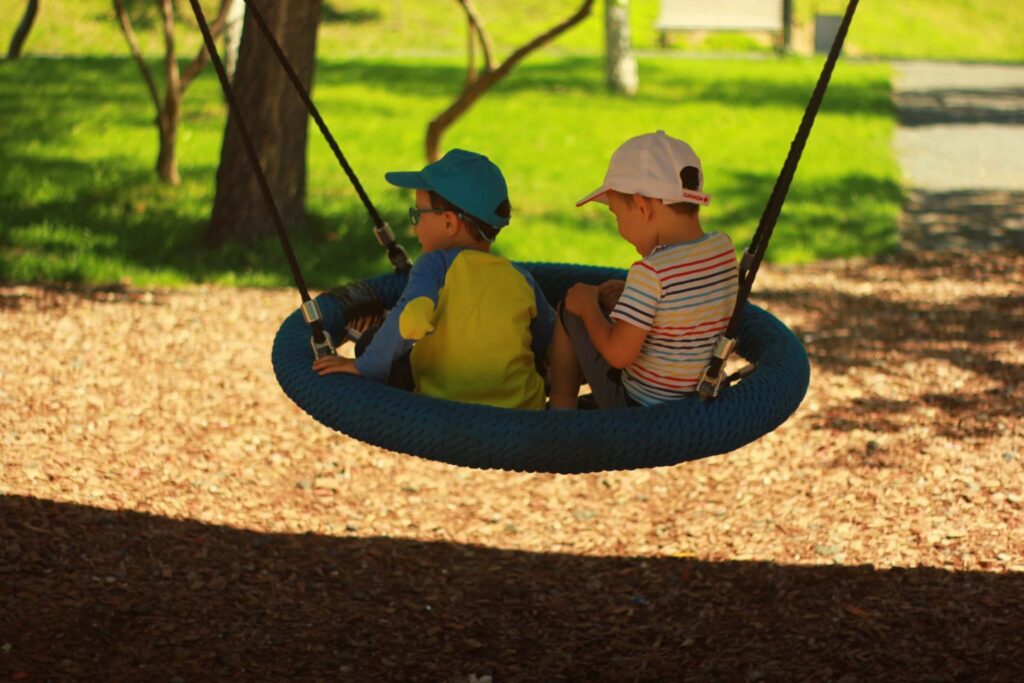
{"x":961,"y":147}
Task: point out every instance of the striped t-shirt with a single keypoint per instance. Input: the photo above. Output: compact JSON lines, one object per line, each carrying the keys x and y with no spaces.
{"x":683,"y":295}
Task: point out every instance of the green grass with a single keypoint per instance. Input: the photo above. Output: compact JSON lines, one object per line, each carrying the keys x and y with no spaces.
{"x":971,"y":30}
{"x":964,"y":30}
{"x":79,"y":200}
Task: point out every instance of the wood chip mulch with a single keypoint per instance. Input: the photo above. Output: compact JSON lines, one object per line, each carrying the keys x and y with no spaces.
{"x":166,"y":514}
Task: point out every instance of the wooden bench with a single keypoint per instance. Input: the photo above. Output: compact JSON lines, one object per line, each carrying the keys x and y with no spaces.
{"x":773,"y":16}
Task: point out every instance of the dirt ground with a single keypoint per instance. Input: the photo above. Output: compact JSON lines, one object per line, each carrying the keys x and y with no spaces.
{"x":167,"y":514}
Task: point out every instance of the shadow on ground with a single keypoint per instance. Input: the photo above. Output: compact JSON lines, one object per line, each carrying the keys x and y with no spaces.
{"x":96,"y":594}
{"x":864,"y":335}
{"x":961,"y":106}
{"x":964,"y":220}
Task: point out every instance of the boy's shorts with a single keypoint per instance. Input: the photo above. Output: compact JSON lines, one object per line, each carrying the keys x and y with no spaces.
{"x":604,"y":380}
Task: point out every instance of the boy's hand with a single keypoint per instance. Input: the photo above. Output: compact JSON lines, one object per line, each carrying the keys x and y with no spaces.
{"x":579,"y":297}
{"x":331,"y":364}
{"x":609,"y":293}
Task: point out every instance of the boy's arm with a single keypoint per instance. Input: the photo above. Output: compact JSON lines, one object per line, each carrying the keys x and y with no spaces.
{"x":618,"y":341}
{"x":542,"y":327}
{"x":609,"y":292}
{"x":410,"y":319}
{"x":335,"y":364}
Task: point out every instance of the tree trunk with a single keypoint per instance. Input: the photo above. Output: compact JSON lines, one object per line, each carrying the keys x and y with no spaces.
{"x":170,"y":114}
{"x":621,"y":64}
{"x":233,"y":36}
{"x":21,"y":33}
{"x":276,"y":120}
{"x":168,"y":111}
{"x":167,"y":159}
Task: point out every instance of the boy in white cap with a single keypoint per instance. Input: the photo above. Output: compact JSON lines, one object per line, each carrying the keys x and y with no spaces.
{"x":674,"y":304}
{"x":472,"y":325}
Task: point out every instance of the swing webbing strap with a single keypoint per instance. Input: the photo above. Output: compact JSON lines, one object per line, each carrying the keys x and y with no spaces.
{"x":759,"y":243}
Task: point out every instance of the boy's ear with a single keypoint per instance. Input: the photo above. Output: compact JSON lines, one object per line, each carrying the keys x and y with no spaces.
{"x":458,"y":224}
{"x":452,"y":223}
{"x":643,"y":203}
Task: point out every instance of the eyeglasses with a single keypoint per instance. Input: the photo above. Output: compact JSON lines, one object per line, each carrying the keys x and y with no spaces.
{"x":416,"y":212}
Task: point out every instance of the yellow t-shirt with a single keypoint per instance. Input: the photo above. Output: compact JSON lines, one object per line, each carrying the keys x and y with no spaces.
{"x":475,"y":323}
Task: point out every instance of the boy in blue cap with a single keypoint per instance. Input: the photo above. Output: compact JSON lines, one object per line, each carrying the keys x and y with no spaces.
{"x":474,"y":324}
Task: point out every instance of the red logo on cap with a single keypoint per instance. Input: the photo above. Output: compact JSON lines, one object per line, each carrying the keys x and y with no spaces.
{"x":695,"y":196}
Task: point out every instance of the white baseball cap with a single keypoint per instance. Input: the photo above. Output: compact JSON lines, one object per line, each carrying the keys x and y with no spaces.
{"x":654,"y":165}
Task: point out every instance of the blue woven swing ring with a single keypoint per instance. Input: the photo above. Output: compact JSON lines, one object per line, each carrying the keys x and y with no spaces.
{"x":541,"y":441}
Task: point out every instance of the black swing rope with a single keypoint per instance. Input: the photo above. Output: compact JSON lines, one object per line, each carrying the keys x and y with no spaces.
{"x":321,"y":341}
{"x":396,"y":253}
{"x":714,"y":378}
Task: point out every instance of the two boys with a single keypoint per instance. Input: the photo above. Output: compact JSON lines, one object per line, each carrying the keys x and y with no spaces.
{"x":478,"y":326}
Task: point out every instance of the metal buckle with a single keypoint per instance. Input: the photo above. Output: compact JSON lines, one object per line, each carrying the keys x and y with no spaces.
{"x":723,"y":348}
{"x":708,"y":388}
{"x":397,"y":254}
{"x":745,"y":263}
{"x":325,"y":348}
{"x":385,"y":235}
{"x":311,"y":313}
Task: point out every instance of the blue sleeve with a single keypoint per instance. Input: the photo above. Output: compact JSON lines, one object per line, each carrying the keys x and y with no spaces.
{"x":425,"y":279}
{"x":543,"y":326}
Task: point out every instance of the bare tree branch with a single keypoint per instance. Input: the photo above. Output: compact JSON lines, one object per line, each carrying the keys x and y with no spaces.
{"x":168,"y":111}
{"x":476,"y":26}
{"x":24,"y":26}
{"x":170,"y":54}
{"x":472,"y":91}
{"x":199,"y":63}
{"x":133,"y":45}
{"x":470,"y":52}
{"x":167,"y":162}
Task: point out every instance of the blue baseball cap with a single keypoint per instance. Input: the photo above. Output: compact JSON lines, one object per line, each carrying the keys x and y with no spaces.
{"x":468,"y":180}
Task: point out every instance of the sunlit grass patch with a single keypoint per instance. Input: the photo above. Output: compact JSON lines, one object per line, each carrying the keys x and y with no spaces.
{"x":80,"y":200}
